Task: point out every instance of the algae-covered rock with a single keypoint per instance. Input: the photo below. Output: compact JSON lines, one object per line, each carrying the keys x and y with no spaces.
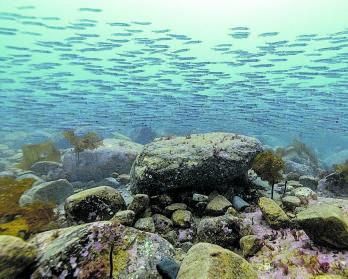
{"x":200,"y":161}
{"x":15,"y":256}
{"x":209,"y":261}
{"x":250,"y":245}
{"x":325,"y":225}
{"x":99,"y":203}
{"x":182,"y":218}
{"x":168,"y":210}
{"x":273,"y":214}
{"x":48,"y":192}
{"x":84,"y":252}
{"x":113,"y":156}
{"x":222,"y":230}
{"x":217,"y":206}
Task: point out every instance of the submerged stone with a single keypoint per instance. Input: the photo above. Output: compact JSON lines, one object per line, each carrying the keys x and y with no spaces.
{"x":99,"y":203}
{"x":222,"y":230}
{"x":168,"y":268}
{"x":325,"y":225}
{"x":15,"y":256}
{"x":139,"y":203}
{"x":125,"y":217}
{"x":201,"y":161}
{"x":84,"y":252}
{"x":273,"y":214}
{"x":217,"y":206}
{"x":113,"y":156}
{"x":182,"y":218}
{"x":145,"y":224}
{"x":250,"y":245}
{"x":48,"y":192}
{"x":209,"y":261}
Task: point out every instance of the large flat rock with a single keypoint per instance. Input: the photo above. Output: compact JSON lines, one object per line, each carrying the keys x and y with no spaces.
{"x":200,"y":161}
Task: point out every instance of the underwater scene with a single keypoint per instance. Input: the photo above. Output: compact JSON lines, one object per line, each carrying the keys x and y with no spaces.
{"x":153,"y":139}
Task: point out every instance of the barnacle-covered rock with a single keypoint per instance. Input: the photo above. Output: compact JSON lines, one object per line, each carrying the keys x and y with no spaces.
{"x":200,"y":161}
{"x":99,"y":203}
{"x":84,"y":252}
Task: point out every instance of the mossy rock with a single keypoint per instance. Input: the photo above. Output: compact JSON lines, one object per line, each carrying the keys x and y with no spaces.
{"x":182,"y":218}
{"x":273,"y":214}
{"x":33,"y":153}
{"x":15,"y":256}
{"x":325,"y":225}
{"x":209,"y":261}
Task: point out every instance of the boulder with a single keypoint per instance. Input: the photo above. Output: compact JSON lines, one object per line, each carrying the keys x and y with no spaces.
{"x":209,"y":261}
{"x":145,"y":224}
{"x":84,"y":252}
{"x":48,"y":192}
{"x":250,"y":245}
{"x":201,"y":161}
{"x":309,"y":181}
{"x":114,"y":155}
{"x":273,"y":214}
{"x":325,"y":225}
{"x":15,"y":256}
{"x":125,"y":217}
{"x":182,"y":218}
{"x":100,"y":203}
{"x":139,"y":203}
{"x":222,"y":230}
{"x":52,"y":170}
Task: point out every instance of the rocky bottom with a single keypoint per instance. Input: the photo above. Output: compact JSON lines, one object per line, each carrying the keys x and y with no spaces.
{"x":164,"y":217}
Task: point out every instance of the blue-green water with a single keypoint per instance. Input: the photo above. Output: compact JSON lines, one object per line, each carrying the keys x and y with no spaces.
{"x":272,"y":70}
